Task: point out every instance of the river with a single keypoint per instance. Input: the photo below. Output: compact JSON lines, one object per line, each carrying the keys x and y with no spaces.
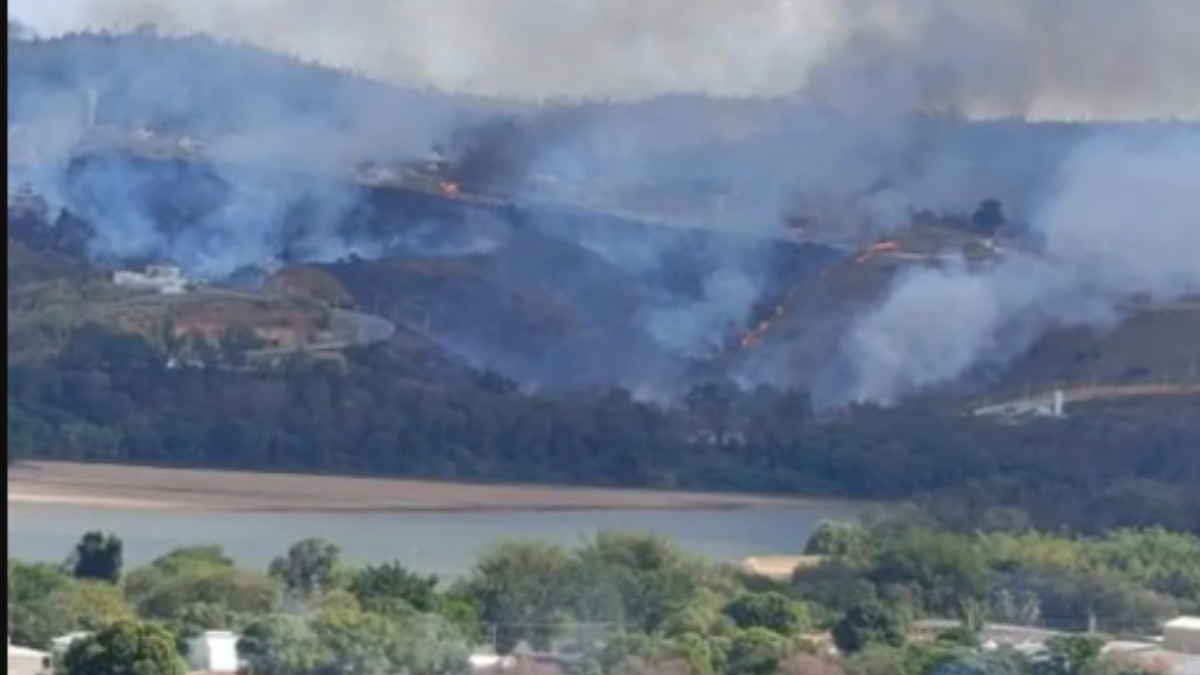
{"x":442,"y":543}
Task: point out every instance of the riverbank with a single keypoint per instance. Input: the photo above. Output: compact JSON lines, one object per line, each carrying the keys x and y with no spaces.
{"x":146,"y":489}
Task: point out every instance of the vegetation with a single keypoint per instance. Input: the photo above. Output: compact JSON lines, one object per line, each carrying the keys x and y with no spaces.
{"x":99,"y":557}
{"x":125,"y":649}
{"x":85,"y":392}
{"x":636,"y":604}
{"x":112,"y":398}
{"x":80,"y":390}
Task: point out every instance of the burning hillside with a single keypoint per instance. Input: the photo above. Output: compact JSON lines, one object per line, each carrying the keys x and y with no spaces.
{"x":832,"y":239}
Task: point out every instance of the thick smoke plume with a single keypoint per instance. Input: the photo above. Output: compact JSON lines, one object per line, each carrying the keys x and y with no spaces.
{"x":853,"y":114}
{"x":1100,"y":58}
{"x":1124,"y":224}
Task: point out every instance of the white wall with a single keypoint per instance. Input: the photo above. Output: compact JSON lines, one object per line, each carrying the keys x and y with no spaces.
{"x":214,"y":652}
{"x":1183,"y":636}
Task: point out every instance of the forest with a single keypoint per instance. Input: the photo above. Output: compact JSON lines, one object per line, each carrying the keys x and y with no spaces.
{"x":115,"y":398}
{"x":625,"y":603}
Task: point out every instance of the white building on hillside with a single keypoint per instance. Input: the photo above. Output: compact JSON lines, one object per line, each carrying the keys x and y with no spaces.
{"x":214,"y":652}
{"x":1183,"y":635}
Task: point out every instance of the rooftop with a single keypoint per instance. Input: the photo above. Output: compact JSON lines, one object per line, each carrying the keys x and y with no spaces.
{"x":1153,"y":658}
{"x":25,"y":652}
{"x":1185,"y":623}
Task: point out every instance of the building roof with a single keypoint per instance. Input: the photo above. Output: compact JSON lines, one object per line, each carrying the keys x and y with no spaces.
{"x":69,"y":639}
{"x":1185,"y":623}
{"x":26,"y":653}
{"x":218,"y":635}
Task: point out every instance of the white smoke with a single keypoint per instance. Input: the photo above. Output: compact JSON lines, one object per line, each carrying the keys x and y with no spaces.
{"x":702,"y":328}
{"x":1121,"y":222}
{"x":1049,"y":58}
{"x":1124,"y":223}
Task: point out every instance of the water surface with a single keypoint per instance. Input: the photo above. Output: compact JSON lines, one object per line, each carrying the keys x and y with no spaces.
{"x":442,"y":543}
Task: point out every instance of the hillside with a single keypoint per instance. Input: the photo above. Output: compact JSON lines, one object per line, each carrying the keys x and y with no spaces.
{"x":629,"y":295}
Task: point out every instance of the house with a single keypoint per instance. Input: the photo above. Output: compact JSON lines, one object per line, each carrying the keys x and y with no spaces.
{"x":1183,"y":635}
{"x":25,"y":661}
{"x":214,"y":652}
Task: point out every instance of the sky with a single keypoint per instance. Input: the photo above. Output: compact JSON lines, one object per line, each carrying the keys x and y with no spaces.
{"x":47,"y":16}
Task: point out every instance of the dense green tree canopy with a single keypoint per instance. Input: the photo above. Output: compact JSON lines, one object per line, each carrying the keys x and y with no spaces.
{"x":392,"y":588}
{"x":67,"y":608}
{"x":126,"y":648}
{"x":866,"y":624}
{"x":633,"y":604}
{"x":769,"y":611}
{"x":309,"y":568}
{"x":194,"y":587}
{"x":109,"y":399}
{"x":99,"y":557}
{"x":520,"y":591}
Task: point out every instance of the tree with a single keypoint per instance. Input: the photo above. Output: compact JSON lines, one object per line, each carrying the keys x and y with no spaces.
{"x":518,"y":588}
{"x":359,"y":642}
{"x":989,"y":217}
{"x":641,"y":581}
{"x":390,"y":589}
{"x":24,"y":434}
{"x":769,"y":611}
{"x":283,"y":645}
{"x":32,"y":583}
{"x":1073,"y":655}
{"x":98,"y":557}
{"x":432,"y":646}
{"x":944,"y":569}
{"x":757,"y":652}
{"x":344,"y":640}
{"x":869,"y":623}
{"x":1164,"y":561}
{"x":200,"y":591}
{"x":73,"y":606}
{"x":309,"y":569}
{"x":127,"y":648}
{"x":841,"y":540}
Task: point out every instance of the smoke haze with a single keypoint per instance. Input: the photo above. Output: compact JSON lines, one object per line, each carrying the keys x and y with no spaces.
{"x":856,"y":113}
{"x":1057,"y":58}
{"x":1124,"y":223}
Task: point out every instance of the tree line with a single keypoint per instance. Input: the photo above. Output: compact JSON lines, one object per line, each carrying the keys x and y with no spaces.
{"x":648,"y":606}
{"x":116,"y":398}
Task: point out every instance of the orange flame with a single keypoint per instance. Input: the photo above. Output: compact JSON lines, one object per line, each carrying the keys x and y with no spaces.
{"x":450,"y":189}
{"x":889,"y":246}
{"x":755,"y":337}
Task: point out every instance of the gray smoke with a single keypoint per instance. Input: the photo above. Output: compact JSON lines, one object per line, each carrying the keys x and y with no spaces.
{"x":1123,"y":224}
{"x":1101,"y":58}
{"x":250,"y":145}
{"x":702,"y":328}
{"x":858,"y":117}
